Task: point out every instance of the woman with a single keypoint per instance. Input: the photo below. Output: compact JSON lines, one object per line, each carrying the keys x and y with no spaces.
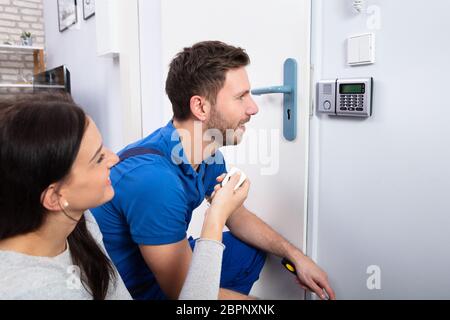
{"x":53,"y":168}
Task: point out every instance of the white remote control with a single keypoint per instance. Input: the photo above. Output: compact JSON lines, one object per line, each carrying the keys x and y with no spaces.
{"x":231,"y":173}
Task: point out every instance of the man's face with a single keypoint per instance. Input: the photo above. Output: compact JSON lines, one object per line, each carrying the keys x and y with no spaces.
{"x":234,"y":107}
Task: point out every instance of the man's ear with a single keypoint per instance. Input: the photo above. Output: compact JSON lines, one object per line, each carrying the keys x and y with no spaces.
{"x":51,"y":199}
{"x":200,"y":108}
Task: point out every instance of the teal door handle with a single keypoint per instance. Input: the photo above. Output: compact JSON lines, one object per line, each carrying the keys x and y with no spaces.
{"x":289,"y":89}
{"x":270,"y":90}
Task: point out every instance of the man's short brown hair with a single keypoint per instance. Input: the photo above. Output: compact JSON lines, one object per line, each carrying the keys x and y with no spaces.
{"x":201,"y":70}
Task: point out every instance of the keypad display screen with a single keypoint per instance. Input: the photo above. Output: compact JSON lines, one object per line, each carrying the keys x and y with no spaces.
{"x":358,"y":88}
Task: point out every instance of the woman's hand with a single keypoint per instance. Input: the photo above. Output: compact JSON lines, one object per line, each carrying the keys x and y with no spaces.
{"x":225,"y":199}
{"x":224,"y":202}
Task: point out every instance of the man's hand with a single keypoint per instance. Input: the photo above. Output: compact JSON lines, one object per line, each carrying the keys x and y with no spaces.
{"x":313,"y":278}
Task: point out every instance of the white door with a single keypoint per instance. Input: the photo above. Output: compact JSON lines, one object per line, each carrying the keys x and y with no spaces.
{"x":271,"y":32}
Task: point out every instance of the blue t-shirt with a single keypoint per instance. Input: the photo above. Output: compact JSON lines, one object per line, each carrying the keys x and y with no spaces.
{"x":154,"y":199}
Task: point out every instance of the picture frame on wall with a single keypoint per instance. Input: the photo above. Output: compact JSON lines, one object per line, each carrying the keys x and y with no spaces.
{"x":67,"y":14}
{"x":88,"y":9}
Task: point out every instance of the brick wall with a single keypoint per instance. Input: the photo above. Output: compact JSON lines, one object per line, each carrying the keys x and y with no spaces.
{"x":15,"y":17}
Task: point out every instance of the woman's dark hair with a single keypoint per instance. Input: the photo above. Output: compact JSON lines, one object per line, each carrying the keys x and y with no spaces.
{"x":201,"y":70}
{"x":40,"y":137}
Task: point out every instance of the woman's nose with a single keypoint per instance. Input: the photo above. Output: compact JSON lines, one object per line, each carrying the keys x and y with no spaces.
{"x":114,"y":159}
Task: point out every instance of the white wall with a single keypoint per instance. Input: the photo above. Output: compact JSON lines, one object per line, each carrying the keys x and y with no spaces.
{"x":152,"y":68}
{"x":95,"y":81}
{"x":380,"y":186}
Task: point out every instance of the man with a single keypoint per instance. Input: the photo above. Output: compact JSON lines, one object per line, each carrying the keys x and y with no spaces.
{"x":167,"y":175}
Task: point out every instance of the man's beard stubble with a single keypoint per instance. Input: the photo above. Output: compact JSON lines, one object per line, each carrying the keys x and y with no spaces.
{"x":222,"y":132}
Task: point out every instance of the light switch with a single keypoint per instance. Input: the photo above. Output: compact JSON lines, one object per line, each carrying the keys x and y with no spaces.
{"x":361,"y":49}
{"x":366,"y":49}
{"x":353,"y":50}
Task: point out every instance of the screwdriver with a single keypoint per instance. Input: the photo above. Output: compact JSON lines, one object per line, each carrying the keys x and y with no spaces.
{"x":289,"y":266}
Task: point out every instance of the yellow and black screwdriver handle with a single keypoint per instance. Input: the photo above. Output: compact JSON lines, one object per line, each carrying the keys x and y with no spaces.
{"x":289,"y":266}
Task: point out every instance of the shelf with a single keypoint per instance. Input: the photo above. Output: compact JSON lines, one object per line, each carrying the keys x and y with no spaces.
{"x":38,"y":54}
{"x":19,"y":49}
{"x":32,"y":86}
